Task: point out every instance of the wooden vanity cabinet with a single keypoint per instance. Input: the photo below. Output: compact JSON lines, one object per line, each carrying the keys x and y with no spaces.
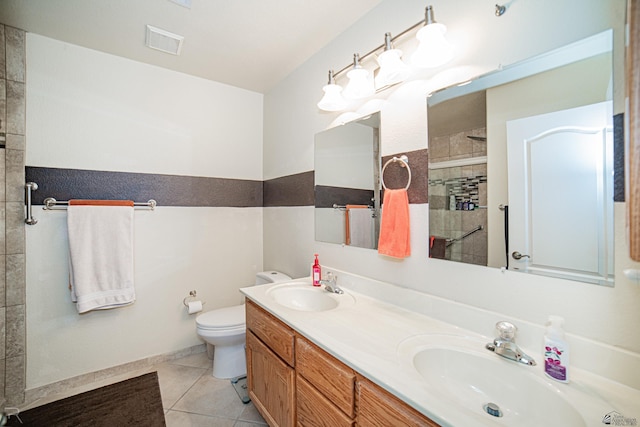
{"x":310,"y":388}
{"x":325,"y":387}
{"x":379,"y":408}
{"x":270,"y":373}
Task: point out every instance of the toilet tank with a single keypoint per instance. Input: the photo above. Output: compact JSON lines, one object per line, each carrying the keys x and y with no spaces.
{"x":265,"y":277}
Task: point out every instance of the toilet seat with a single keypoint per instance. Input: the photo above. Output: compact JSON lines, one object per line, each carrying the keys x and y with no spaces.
{"x":222,"y":318}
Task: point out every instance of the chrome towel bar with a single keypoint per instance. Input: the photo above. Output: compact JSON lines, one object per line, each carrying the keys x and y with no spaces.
{"x":50,"y":203}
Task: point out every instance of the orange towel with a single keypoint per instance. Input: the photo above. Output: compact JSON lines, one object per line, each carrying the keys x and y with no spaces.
{"x":395,"y":236}
{"x":78,"y":202}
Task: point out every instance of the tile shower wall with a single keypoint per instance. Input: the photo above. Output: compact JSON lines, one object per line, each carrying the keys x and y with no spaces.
{"x":465,"y":184}
{"x":12,"y":259}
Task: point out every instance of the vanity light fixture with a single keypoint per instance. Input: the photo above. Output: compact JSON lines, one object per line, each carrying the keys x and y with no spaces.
{"x":360,"y":82}
{"x":433,"y":51}
{"x":392,"y":69}
{"x":332,"y":99}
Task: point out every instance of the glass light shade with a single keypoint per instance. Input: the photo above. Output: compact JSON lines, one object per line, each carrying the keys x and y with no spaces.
{"x":360,"y":84}
{"x":392,"y":69}
{"x":332,"y":99}
{"x":434,"y":50}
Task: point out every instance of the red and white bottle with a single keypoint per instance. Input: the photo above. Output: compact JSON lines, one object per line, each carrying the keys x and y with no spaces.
{"x":316,"y":272}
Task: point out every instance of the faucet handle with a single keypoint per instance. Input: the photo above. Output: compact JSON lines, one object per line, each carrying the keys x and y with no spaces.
{"x":506,"y":330}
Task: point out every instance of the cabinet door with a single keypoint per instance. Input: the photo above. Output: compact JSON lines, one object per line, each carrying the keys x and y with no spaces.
{"x":378,"y":408}
{"x":271,"y":384}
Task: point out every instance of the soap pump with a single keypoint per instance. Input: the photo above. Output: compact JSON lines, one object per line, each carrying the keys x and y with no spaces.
{"x":317,"y":272}
{"x":556,"y":350}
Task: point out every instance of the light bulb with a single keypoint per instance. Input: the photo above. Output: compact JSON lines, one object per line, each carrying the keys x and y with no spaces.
{"x":360,"y":83}
{"x":332,"y":99}
{"x":434,"y":50}
{"x":392,"y":69}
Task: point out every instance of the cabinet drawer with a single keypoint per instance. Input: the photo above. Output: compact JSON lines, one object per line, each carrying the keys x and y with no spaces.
{"x":275,"y":334}
{"x":315,"y":410}
{"x":327,"y":374}
{"x":379,"y":408}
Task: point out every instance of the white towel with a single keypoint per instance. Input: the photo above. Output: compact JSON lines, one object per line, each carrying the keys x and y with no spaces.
{"x":360,"y":228}
{"x":101,"y":256}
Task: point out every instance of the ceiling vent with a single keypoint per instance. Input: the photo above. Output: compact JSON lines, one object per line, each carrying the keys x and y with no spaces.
{"x":164,"y":40}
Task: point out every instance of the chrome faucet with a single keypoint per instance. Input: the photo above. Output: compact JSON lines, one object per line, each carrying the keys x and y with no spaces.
{"x":330,"y":284}
{"x":505,"y":344}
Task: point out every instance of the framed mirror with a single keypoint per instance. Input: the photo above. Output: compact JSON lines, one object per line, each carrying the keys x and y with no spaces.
{"x":347,"y":183}
{"x":521,"y":166}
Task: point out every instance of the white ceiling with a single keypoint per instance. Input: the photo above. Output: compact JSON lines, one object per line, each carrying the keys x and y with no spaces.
{"x":252,"y":44}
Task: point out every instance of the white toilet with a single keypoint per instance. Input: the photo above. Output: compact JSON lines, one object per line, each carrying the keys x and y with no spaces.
{"x":225,"y":329}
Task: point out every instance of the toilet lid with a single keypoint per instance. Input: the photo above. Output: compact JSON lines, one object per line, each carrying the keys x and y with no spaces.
{"x":222,"y":318}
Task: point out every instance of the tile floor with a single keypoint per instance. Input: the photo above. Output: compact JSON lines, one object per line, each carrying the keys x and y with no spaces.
{"x":191,"y":396}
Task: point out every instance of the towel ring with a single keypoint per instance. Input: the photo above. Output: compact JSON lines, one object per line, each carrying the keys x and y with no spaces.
{"x":404,"y":162}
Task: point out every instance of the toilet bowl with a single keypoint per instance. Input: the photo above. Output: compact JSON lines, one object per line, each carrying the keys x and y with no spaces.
{"x":225,"y":329}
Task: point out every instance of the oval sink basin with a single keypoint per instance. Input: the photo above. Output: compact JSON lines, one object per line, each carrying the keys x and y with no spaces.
{"x":471,"y":380}
{"x":305,"y":297}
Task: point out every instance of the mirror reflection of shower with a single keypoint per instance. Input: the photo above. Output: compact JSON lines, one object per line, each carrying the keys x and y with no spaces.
{"x":458,"y":180}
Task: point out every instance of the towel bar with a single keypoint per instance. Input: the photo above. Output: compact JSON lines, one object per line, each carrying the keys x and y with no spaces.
{"x":50,"y":203}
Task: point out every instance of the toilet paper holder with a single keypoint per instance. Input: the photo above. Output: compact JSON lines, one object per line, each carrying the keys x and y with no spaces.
{"x":192,"y":297}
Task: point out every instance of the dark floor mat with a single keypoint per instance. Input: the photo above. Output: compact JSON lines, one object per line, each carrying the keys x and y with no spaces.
{"x":133,"y":402}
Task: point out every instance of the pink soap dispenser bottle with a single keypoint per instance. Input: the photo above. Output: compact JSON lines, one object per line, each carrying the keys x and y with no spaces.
{"x":317,"y":272}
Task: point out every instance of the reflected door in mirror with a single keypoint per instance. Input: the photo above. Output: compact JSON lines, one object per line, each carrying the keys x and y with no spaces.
{"x":561,"y":193}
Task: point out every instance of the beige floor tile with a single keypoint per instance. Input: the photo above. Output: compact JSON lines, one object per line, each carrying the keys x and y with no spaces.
{"x":185,"y":419}
{"x":211,"y":396}
{"x":247,"y":424}
{"x":199,"y":360}
{"x":175,"y":381}
{"x":251,"y":414}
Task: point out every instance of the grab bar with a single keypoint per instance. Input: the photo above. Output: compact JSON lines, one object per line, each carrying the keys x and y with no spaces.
{"x":29,"y":187}
{"x":465,"y":235}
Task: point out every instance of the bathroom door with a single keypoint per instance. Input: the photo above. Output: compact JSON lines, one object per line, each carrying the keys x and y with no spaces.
{"x":561,"y":193}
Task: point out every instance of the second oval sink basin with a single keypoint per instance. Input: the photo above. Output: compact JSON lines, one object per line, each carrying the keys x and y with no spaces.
{"x":494,"y":388}
{"x":305,"y":297}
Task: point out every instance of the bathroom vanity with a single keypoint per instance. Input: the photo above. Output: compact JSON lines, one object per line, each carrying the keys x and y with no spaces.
{"x":381,"y":355}
{"x":294,"y":382}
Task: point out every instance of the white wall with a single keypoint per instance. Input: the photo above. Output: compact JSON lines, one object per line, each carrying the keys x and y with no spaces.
{"x":89,"y":110}
{"x":483,"y":42}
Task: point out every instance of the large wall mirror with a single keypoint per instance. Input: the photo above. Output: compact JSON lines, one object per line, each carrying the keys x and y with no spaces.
{"x":521,"y":166}
{"x":347,"y":183}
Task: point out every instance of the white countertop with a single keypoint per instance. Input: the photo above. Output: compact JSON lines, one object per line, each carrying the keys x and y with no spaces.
{"x":367,"y":334}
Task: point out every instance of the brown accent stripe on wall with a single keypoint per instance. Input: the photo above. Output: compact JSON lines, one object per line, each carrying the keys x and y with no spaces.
{"x":188,"y":191}
{"x":291,"y":190}
{"x":396,"y":176}
{"x":327,"y":196}
{"x":167,"y":190}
